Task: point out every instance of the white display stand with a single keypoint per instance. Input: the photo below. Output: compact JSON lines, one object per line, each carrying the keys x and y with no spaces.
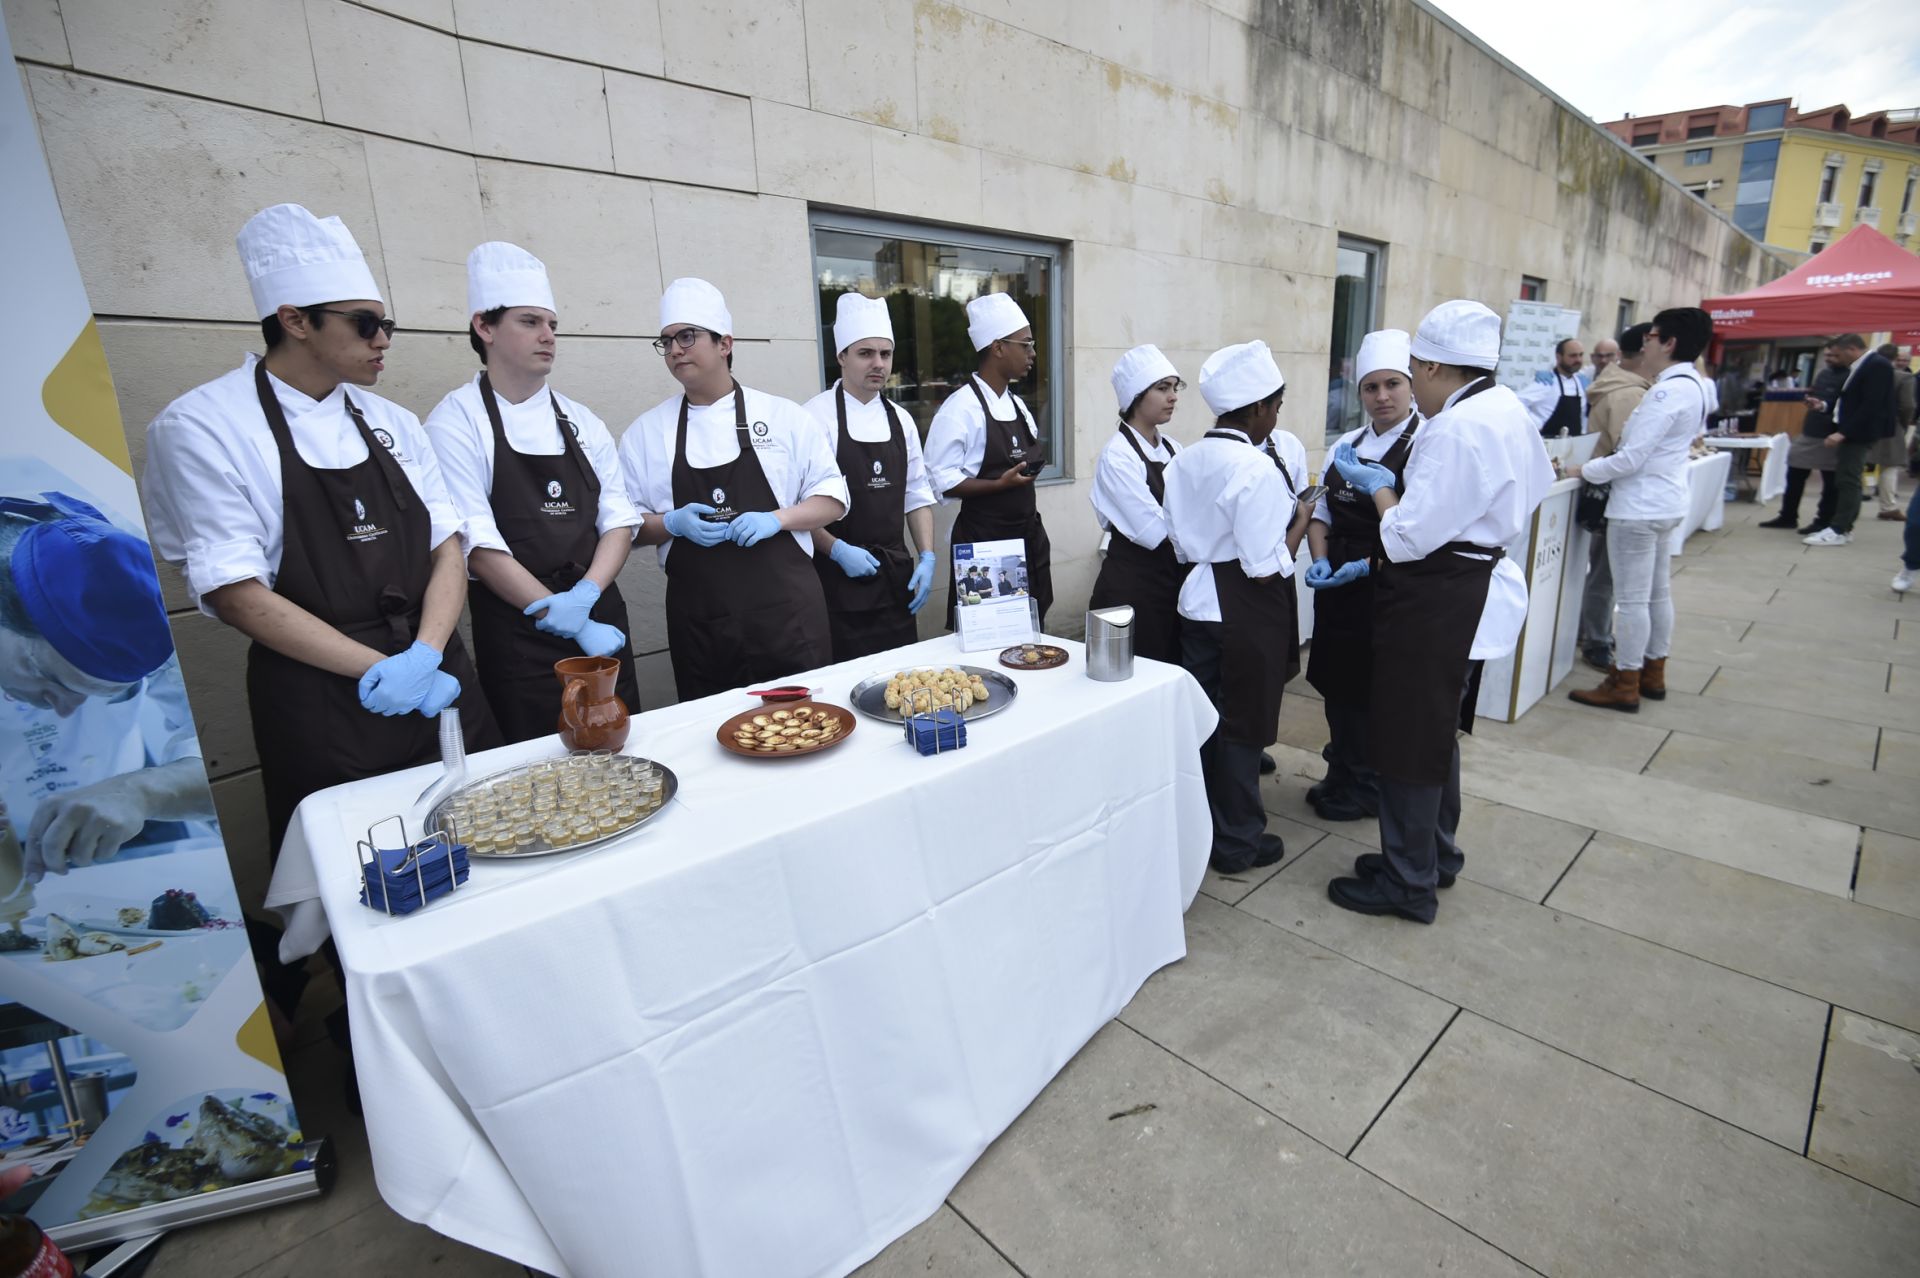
{"x":1553,"y":554}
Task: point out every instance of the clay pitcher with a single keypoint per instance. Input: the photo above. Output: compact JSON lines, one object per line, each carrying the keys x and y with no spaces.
{"x":591,"y":716}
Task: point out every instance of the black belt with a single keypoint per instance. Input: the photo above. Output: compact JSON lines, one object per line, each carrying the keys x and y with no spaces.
{"x":1496,"y":553}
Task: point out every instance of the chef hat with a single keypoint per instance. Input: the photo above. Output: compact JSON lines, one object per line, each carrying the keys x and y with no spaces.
{"x":501,"y":274}
{"x":1383,"y":351}
{"x":1239,"y":375}
{"x":856,"y":316}
{"x":1138,"y":369}
{"x":293,"y":258}
{"x":696,"y":302}
{"x":992,"y":316}
{"x":1462,"y":333}
{"x":89,"y":588}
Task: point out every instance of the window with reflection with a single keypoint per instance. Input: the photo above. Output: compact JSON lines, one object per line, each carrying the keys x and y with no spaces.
{"x":1356,"y":309}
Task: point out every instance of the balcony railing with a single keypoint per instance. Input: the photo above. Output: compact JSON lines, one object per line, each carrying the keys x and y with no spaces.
{"x":1826,"y":214}
{"x":1909,"y":222}
{"x":1866,"y":217}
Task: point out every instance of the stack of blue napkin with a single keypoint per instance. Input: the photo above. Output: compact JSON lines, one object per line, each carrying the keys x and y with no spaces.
{"x":937,"y":733}
{"x":401,"y":880}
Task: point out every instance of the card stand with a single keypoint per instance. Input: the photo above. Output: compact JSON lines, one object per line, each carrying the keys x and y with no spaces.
{"x":403,"y":879}
{"x":931,"y":730}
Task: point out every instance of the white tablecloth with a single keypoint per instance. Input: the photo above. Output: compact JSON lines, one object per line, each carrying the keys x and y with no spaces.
{"x":1706,"y":498}
{"x":1773,"y":468}
{"x":766,"y":1034}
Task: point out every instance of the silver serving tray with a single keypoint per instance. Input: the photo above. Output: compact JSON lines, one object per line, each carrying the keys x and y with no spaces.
{"x":869,"y":696}
{"x":670,"y":785}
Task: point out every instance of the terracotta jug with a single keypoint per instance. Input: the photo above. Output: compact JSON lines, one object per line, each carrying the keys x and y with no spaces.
{"x":591,"y":716}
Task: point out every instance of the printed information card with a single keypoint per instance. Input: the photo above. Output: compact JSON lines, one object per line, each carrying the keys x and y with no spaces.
{"x":991,"y":606}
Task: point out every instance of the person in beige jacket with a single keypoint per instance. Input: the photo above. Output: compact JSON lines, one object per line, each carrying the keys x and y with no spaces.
{"x":1615,"y":393}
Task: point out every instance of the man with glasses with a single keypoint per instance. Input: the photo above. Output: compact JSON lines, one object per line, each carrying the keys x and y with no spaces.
{"x":984,"y":448}
{"x":731,"y":483}
{"x":312,"y":518}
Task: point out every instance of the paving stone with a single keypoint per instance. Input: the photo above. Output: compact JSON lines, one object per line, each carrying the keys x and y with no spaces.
{"x":942,"y":1244}
{"x":1888,"y":876}
{"x":1812,"y":696}
{"x":1899,"y":753}
{"x":1735,"y":1047}
{"x":1858,"y":643}
{"x":1868,"y":1120}
{"x":1556,"y":726}
{"x":1840,"y":951}
{"x":1823,"y":739}
{"x":1231,"y":888}
{"x":1882,"y":800}
{"x":1087,"y":1181}
{"x":378,"y":1242}
{"x":1315,"y":1038}
{"x":1782,"y":658}
{"x":1583,"y":1175}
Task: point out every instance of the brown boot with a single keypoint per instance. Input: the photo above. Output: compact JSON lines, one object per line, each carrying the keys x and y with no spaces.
{"x":1653,"y":679}
{"x":1621,"y":691}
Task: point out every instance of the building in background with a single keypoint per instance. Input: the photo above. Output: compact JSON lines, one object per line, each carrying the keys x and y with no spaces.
{"x":1795,"y":179}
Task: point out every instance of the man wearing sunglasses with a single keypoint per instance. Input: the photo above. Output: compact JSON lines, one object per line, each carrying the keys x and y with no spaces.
{"x":309,"y":514}
{"x":731,"y":482}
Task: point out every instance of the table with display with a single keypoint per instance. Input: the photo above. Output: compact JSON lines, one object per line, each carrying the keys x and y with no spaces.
{"x":767,"y":1032}
{"x":1773,"y":461}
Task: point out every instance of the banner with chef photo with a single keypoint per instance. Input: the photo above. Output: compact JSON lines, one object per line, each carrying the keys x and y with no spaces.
{"x":991,"y":606}
{"x":139,"y":1076}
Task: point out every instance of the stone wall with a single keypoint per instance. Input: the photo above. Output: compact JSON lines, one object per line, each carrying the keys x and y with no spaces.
{"x":1198,"y":159}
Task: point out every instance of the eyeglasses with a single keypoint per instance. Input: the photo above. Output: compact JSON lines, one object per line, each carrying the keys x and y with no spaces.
{"x":684,"y":339}
{"x":1027,"y":342}
{"x":365,"y":323}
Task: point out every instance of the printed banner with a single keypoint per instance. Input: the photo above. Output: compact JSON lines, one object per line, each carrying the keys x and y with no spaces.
{"x":1532,"y":330}
{"x":137,"y":1065}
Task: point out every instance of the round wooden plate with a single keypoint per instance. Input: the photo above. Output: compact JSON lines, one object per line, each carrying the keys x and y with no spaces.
{"x":780,"y":716}
{"x":1049,"y":656}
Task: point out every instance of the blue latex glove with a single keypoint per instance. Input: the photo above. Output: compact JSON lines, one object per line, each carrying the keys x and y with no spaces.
{"x":855,"y":561}
{"x":398,"y":684}
{"x":920,"y":585}
{"x":597,"y":639}
{"x":1319,"y":573}
{"x":566,"y":611}
{"x":686,"y":522}
{"x":753,"y":527}
{"x":1352,"y":570}
{"x":440,"y":694}
{"x":1368,"y":477}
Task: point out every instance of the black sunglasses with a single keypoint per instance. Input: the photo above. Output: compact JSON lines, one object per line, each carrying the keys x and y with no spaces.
{"x":366,"y":323}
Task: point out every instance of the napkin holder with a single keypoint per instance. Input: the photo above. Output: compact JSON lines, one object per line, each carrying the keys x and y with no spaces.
{"x":933,"y":730}
{"x":400,"y":880}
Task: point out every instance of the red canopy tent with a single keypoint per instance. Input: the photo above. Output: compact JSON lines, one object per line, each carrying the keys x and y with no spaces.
{"x":1862,"y":283}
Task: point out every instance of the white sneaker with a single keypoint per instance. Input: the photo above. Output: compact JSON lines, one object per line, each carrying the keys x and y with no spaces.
{"x":1827,"y":537}
{"x":1903,"y":580}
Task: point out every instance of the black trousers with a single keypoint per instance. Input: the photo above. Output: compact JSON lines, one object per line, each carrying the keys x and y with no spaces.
{"x":1418,"y":825}
{"x":1349,"y":766}
{"x":1797,"y":484}
{"x":1230,"y":769}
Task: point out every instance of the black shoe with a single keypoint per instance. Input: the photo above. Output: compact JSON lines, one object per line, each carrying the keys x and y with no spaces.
{"x":1600,"y":659}
{"x":1780,"y":521}
{"x":1267,"y":766}
{"x":1272,"y":849}
{"x":1813,"y":527}
{"x":1365,"y":896}
{"x":1341,"y":805}
{"x":1369,"y":864}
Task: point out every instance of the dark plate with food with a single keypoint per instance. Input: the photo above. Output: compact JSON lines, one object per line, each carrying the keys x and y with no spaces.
{"x":1033,"y":656}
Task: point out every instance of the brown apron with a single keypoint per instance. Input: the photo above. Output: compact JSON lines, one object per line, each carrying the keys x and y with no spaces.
{"x":869,"y":614}
{"x":1149,"y":580}
{"x":354,"y":553}
{"x":1007,"y":515}
{"x":1425,"y":613}
{"x":738,"y":616}
{"x":1289,"y":584}
{"x":1253,"y":669}
{"x":1340,"y":659}
{"x":547,"y":508}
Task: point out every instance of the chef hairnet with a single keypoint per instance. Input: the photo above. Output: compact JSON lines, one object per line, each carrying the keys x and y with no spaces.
{"x":1138,"y":369}
{"x":992,"y":316}
{"x":89,"y":588}
{"x":1462,"y":333}
{"x":1237,"y":376}
{"x":1384,"y":350}
{"x":856,"y":316}
{"x":293,"y":258}
{"x":501,"y":274}
{"x":696,"y":302}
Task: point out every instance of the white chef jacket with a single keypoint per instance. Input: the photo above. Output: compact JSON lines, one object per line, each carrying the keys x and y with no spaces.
{"x":213,"y":494}
{"x":1647,"y":470}
{"x":1476,"y":473}
{"x":42,"y":754}
{"x":867,"y":424}
{"x":1541,"y":398}
{"x":957,"y":436}
{"x":1120,"y":496}
{"x":463,"y":443}
{"x":1229,"y":502}
{"x":1368,"y":445}
{"x":792,"y":452}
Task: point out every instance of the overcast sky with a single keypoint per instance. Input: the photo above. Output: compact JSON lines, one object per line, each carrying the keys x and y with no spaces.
{"x":1646,"y":57}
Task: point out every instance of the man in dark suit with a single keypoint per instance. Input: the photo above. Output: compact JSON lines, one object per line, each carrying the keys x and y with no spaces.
{"x":1862,"y":415}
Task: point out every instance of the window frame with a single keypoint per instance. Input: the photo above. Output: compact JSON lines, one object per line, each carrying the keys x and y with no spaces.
{"x":822,"y":218}
{"x":1533,"y":288}
{"x":1697,"y":156}
{"x":1623,"y":315}
{"x":1869,"y":188}
{"x":1375,"y":251}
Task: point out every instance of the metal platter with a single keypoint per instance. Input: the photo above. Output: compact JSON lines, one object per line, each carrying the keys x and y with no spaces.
{"x":869,"y":696}
{"x":540,"y":844}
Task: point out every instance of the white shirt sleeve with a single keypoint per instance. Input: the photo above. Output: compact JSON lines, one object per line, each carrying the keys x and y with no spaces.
{"x":442,"y":519}
{"x":617,"y":509}
{"x":919,"y":484}
{"x":1121,"y":499}
{"x":1262,"y":509}
{"x":1647,"y":425}
{"x":1540,"y":398}
{"x":816,"y":469}
{"x":956,"y":444}
{"x":466,"y":468}
{"x":1447,"y":489}
{"x":198,"y":509}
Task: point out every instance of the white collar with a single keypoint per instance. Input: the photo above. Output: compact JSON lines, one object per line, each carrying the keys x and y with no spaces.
{"x":1455,"y":397}
{"x":1234,"y":431}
